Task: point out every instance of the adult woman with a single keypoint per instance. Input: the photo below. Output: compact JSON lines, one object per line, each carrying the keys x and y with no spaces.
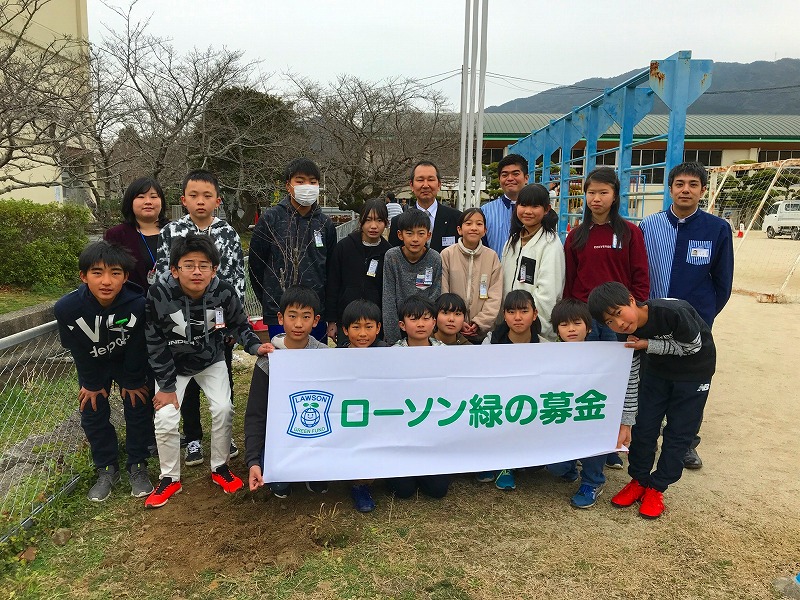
{"x":144,"y":213}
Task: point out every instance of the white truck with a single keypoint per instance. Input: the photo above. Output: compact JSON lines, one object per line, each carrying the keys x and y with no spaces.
{"x":783,"y":218}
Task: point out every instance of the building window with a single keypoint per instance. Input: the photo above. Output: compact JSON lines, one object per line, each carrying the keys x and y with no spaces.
{"x":707,"y":158}
{"x":770,"y":155}
{"x":644,"y":158}
{"x":492,"y":155}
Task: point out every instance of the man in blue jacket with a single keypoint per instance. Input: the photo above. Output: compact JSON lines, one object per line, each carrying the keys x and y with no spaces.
{"x":690,"y":255}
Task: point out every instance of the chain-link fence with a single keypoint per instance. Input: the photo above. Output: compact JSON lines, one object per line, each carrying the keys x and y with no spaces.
{"x":761,"y":201}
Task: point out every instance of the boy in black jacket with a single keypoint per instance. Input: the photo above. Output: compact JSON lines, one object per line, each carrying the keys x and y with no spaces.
{"x":102,"y":325}
{"x":187,"y":317}
{"x":681,"y":359}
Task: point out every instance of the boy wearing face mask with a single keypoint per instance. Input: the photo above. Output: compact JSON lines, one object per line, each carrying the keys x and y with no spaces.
{"x":292,"y":244}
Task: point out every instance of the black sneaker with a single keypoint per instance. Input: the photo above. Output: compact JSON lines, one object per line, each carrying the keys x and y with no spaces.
{"x":107,"y":477}
{"x":234,"y":450}
{"x":317,"y":487}
{"x":184,"y":441}
{"x":194,"y":454}
{"x":280,"y":490}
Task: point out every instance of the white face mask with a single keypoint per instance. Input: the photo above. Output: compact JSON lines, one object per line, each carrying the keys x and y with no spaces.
{"x":306,"y":195}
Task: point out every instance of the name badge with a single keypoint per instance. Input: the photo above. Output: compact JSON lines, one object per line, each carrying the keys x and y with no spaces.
{"x":219,"y":319}
{"x":522,"y":273}
{"x":484,"y":287}
{"x":151,"y":276}
{"x":614,"y":241}
{"x":429,"y":276}
{"x":318,"y":238}
{"x":420,"y":283}
{"x":448,"y":240}
{"x":699,"y":252}
{"x":373,"y":267}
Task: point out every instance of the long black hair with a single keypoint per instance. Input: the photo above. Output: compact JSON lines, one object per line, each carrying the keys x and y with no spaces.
{"x":533,"y":194}
{"x":618,"y":224}
{"x":142,"y":186}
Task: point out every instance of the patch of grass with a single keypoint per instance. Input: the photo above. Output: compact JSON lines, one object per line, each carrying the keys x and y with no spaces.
{"x":15,"y":298}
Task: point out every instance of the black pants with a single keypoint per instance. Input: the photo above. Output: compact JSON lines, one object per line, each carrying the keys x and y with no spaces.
{"x":190,"y":407}
{"x":435,"y":486}
{"x":682,"y":403}
{"x":102,"y":435}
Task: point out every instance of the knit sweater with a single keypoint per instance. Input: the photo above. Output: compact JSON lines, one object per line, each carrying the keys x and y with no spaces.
{"x":690,"y":259}
{"x":543,"y":258}
{"x":402,"y":279}
{"x":603,"y":259}
{"x":463,"y":273}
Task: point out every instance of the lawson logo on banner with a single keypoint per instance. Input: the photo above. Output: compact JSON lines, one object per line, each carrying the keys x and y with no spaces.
{"x":310,"y":414}
{"x":392,"y":412}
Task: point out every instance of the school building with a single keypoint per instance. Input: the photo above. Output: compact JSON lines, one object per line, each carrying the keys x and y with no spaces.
{"x":712,"y":140}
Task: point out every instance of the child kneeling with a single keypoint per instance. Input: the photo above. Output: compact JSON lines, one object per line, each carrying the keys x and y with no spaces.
{"x":187,"y":319}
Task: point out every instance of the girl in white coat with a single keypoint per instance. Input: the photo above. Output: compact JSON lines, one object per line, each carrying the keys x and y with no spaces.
{"x":533,"y":257}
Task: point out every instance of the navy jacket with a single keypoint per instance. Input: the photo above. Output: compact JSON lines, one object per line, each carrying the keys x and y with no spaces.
{"x":105,"y":343}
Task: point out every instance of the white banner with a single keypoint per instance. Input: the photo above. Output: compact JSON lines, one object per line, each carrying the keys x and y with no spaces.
{"x":391,"y":412}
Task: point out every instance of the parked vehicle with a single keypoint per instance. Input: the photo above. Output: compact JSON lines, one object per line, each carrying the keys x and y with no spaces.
{"x":783,"y":218}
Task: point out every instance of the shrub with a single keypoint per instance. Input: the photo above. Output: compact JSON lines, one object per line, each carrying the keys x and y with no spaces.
{"x":40,"y":243}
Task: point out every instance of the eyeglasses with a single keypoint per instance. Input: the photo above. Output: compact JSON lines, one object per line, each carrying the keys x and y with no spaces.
{"x":190,"y":267}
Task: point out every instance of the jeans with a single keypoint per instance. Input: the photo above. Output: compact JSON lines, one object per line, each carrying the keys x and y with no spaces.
{"x":591,"y":469}
{"x":601,"y":333}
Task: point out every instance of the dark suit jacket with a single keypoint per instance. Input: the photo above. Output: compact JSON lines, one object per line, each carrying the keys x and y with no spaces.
{"x":444,"y":225}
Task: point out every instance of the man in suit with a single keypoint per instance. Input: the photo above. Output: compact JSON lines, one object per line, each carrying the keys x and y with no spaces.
{"x":425,"y":183}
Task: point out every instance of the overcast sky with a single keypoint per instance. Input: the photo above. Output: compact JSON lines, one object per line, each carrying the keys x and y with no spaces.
{"x":531,"y":39}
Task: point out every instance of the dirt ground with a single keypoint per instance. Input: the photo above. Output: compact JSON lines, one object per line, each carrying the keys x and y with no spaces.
{"x":762,"y":266}
{"x":729,"y":530}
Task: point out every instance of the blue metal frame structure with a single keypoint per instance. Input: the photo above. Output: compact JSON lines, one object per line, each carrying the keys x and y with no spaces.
{"x":678,"y":81}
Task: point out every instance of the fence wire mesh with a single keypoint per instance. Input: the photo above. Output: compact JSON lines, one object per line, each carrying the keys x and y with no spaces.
{"x":761,"y":201}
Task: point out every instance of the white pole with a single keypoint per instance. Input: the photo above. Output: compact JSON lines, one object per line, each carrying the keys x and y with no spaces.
{"x":473,"y":65}
{"x":476,"y":199}
{"x":462,"y":159}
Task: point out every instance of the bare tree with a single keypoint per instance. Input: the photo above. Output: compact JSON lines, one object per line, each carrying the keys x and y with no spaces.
{"x":367,"y":135}
{"x":42,"y":96}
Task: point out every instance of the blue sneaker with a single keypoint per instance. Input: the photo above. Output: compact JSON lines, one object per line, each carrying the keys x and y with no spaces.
{"x":505,"y":480}
{"x":614,"y":461}
{"x":486,"y":476}
{"x":362,"y":498}
{"x":586,"y":496}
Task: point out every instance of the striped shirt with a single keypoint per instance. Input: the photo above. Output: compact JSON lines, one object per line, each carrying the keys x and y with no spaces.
{"x":498,"y":222}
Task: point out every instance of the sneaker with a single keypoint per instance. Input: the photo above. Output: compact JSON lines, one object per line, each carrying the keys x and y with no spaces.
{"x":184,"y":441}
{"x":586,"y":497}
{"x":486,"y":476}
{"x":194,"y":454}
{"x":165,"y":490}
{"x":652,"y":504}
{"x":691,"y":460}
{"x":317,"y":487}
{"x":139,"y":480}
{"x":631,"y":493}
{"x":614,"y":461}
{"x":280,"y":490}
{"x":107,"y":477}
{"x":234,"y":452}
{"x":225,"y":479}
{"x":505,"y":480}
{"x":362,"y":498}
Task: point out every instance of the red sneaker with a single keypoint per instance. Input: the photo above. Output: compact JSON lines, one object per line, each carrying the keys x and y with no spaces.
{"x":164,"y":491}
{"x":225,"y":479}
{"x":652,"y":504}
{"x":631,"y":493}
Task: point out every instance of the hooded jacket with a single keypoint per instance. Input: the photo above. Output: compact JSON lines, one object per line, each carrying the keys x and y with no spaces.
{"x":463,"y":271}
{"x":288,"y":248}
{"x":182,"y":336}
{"x":105,"y":343}
{"x":347,"y":274}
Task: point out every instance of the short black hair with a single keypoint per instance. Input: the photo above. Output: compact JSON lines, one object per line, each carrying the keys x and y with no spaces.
{"x":413,"y":218}
{"x":468,"y":212}
{"x":517,"y":299}
{"x":377,"y":206}
{"x":360,"y":309}
{"x":201,"y":175}
{"x":689,"y":168}
{"x":570,"y":309}
{"x":109,"y":254}
{"x":390,"y":196}
{"x":425,"y":163}
{"x":302,"y":296}
{"x":193,"y":242}
{"x":302,"y":165}
{"x":513,"y":159}
{"x":142,"y":185}
{"x":450,"y":302}
{"x":415,"y":306}
{"x":608,"y":296}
